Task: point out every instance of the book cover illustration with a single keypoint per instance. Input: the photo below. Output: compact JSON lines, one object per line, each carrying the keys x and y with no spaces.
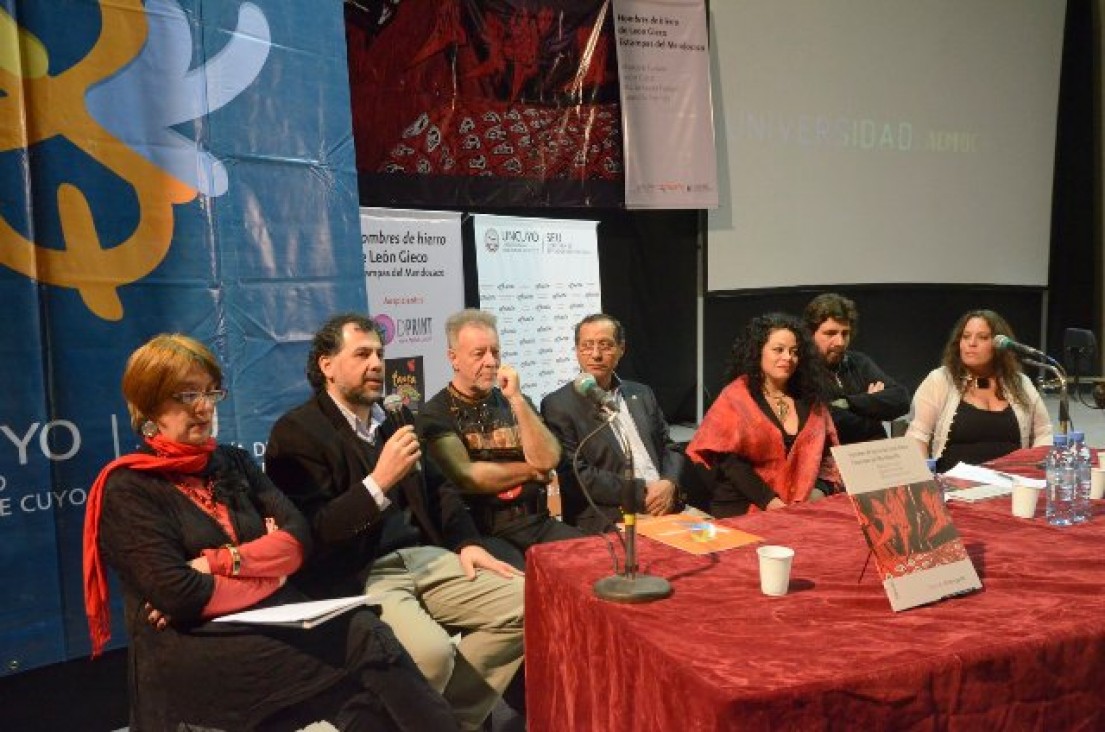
{"x":404,"y":377}
{"x":917,"y":549}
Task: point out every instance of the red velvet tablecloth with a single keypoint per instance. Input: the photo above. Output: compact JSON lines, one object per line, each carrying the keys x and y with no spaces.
{"x":1025,"y":652}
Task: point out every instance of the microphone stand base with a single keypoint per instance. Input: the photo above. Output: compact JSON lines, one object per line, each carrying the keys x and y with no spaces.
{"x":640,"y":588}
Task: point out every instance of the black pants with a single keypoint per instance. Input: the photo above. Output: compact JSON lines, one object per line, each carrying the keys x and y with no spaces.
{"x":383,"y":688}
{"x":508,"y":536}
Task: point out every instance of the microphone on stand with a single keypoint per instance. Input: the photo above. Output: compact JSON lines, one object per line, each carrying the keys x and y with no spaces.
{"x":393,"y":406}
{"x":629,"y":586}
{"x":586,"y":386}
{"x":1006,"y":343}
{"x":1038,"y":358}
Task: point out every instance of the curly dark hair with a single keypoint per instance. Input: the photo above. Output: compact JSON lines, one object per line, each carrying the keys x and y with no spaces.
{"x":329,"y":339}
{"x":831,"y":305}
{"x":810,"y":382}
{"x":1007,"y":368}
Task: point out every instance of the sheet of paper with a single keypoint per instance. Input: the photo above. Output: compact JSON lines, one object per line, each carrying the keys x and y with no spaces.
{"x":296,"y":612}
{"x":978,"y":493}
{"x":986,"y":476}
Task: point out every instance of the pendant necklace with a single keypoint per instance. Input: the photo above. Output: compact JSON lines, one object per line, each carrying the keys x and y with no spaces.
{"x":780,"y":407}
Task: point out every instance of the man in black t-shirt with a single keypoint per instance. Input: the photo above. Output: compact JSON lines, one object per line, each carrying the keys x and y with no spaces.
{"x":863,"y":396}
{"x":486,"y":437}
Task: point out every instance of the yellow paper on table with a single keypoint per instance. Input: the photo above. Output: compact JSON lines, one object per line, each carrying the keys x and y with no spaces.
{"x":692,"y":534}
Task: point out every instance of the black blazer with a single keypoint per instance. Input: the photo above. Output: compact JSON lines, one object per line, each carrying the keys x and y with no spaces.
{"x":314,"y":456}
{"x":571,"y":417}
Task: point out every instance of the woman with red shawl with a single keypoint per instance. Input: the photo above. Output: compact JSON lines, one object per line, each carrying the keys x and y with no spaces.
{"x":195,"y":530}
{"x":765,"y":440}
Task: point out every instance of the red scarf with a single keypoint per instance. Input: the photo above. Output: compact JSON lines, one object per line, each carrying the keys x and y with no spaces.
{"x":735,"y":424}
{"x":168,"y":457}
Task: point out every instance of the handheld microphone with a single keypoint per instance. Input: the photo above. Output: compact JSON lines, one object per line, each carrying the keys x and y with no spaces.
{"x":393,"y":406}
{"x":586,"y":386}
{"x":1006,"y":343}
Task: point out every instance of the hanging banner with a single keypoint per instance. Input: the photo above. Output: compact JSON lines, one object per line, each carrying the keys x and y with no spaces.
{"x":667,"y":117}
{"x":539,"y":277}
{"x":165,"y":166}
{"x":414,"y":275}
{"x":470,"y":103}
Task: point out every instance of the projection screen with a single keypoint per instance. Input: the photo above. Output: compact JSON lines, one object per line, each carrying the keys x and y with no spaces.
{"x":883,"y":141}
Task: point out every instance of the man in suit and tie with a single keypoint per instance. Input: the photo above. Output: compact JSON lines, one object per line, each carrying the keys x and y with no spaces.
{"x":379,"y":529}
{"x":659,"y":468}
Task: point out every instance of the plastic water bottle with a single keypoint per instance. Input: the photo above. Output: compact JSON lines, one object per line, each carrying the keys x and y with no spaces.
{"x":1060,"y":484}
{"x":936,"y":478}
{"x":1081,"y":462}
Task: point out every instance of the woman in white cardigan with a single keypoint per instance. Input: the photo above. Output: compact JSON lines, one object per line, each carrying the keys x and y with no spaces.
{"x":978,"y":405}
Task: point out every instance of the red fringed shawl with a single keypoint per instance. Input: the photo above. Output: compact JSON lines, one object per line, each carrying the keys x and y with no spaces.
{"x":737,"y":425}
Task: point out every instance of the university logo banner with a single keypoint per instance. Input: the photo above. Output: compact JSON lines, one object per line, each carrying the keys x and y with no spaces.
{"x":540,"y":277}
{"x":168,"y":165}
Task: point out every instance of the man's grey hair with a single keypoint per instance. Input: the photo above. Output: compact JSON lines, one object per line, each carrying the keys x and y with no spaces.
{"x":469,"y":316}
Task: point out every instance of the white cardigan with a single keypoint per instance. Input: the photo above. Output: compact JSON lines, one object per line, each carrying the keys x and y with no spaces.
{"x":937,"y":399}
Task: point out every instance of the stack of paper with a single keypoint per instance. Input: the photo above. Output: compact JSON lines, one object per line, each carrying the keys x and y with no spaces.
{"x":978,"y":493}
{"x":299,"y":614}
{"x":993,"y":483}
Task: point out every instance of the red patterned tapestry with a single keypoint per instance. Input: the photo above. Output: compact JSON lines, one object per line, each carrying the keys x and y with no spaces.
{"x":485,"y":102}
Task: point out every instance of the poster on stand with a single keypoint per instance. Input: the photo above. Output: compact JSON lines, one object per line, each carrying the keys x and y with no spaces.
{"x":920,"y":556}
{"x":539,"y":277}
{"x":414,"y":277}
{"x":667,"y":116}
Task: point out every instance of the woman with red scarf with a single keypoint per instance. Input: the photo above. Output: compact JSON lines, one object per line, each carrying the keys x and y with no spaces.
{"x":195,"y":530}
{"x":765,"y":440}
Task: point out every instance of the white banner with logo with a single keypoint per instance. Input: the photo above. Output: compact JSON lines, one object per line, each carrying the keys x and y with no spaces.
{"x":667,"y":118}
{"x":414,"y":275}
{"x":540,"y":277}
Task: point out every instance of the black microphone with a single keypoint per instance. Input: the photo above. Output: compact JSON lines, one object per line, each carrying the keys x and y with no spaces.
{"x":393,"y":406}
{"x":629,"y":586}
{"x":586,"y":386}
{"x":1006,"y":343}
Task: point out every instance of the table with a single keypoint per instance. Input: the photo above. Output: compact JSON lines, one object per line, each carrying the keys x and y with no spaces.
{"x":1026,"y":652}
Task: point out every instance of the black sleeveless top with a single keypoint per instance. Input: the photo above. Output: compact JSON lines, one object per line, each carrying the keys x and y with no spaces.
{"x":978,"y":435}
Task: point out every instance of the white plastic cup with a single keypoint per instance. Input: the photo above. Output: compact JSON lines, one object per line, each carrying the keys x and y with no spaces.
{"x":775,"y":564}
{"x":1097,"y":483}
{"x":1025,"y":498}
{"x":1101,"y":459}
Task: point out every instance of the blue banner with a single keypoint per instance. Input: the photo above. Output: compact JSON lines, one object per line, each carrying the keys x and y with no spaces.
{"x":164,"y":166}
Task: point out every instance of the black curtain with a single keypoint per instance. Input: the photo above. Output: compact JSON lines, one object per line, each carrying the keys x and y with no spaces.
{"x":1074,"y":279}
